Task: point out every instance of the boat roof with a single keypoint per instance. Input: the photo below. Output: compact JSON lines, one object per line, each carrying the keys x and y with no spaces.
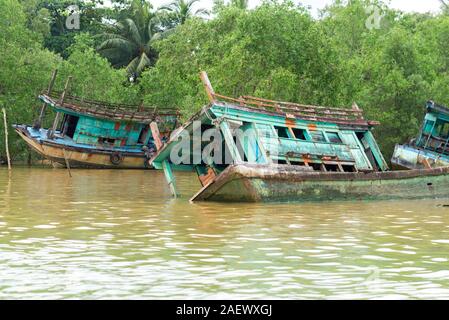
{"x":340,"y":116}
{"x":105,"y":110}
{"x":433,"y":107}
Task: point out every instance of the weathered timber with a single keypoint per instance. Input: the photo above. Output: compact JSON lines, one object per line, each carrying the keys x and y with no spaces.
{"x":8,"y":157}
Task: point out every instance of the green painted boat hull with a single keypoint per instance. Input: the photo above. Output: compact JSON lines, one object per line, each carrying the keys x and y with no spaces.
{"x":259,"y":183}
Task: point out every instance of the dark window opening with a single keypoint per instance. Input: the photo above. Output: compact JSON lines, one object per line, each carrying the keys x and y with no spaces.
{"x":318,"y":136}
{"x":316,"y":166}
{"x":281,"y":161}
{"x":297,"y":163}
{"x":299,"y":133}
{"x":348,"y":168}
{"x":143,"y":135}
{"x":333,"y":137}
{"x":70,"y":125}
{"x":104,"y":140}
{"x":282,"y":132}
{"x":332,"y":167}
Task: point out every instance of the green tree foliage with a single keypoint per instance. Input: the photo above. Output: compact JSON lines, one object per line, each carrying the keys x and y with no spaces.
{"x":179,"y":11}
{"x":24,"y":69}
{"x":129,"y":42}
{"x":93,"y":76}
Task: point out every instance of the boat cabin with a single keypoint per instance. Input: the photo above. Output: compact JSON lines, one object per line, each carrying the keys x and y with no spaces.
{"x":96,"y":134}
{"x":102,"y":125}
{"x":265,"y":132}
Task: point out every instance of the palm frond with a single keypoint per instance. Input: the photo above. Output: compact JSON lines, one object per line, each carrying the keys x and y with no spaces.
{"x":144,"y":62}
{"x":133,"y":31}
{"x":118,"y":44}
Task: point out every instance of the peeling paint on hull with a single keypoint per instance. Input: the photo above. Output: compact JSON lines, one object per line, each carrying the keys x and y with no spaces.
{"x":257,"y":183}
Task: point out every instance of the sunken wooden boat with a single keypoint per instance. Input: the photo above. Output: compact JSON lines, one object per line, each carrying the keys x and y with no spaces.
{"x":95,"y":134}
{"x":431,"y":148}
{"x":289,"y":152}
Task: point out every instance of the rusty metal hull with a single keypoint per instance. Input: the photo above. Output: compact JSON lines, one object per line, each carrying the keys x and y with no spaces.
{"x":79,"y":157}
{"x":260,"y":183}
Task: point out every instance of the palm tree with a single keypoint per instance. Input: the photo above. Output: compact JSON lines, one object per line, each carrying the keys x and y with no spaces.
{"x":181,"y":10}
{"x":130,"y":42}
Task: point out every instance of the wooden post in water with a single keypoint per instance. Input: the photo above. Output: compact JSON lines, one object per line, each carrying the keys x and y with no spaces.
{"x":38,"y":123}
{"x":169,"y":176}
{"x":61,"y":103}
{"x":8,"y":158}
{"x":67,"y":164}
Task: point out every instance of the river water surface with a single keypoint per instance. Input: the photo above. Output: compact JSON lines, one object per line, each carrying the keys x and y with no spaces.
{"x":118,"y":234}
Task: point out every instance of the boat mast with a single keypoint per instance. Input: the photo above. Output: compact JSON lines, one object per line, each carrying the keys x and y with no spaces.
{"x":61,"y":103}
{"x":38,"y":123}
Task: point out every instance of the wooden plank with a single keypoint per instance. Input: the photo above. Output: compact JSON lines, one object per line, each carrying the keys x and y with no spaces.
{"x":8,"y":157}
{"x":44,"y":105}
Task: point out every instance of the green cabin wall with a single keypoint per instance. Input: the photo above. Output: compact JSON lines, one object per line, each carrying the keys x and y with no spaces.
{"x":317,"y":141}
{"x":89,"y":130}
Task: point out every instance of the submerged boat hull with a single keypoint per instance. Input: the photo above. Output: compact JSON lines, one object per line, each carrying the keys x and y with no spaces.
{"x":260,"y":183}
{"x":78,"y":156}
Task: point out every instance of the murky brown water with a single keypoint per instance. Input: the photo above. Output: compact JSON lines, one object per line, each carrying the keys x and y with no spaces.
{"x":118,"y":234}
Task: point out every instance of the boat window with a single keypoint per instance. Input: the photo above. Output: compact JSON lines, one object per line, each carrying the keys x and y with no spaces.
{"x":71,"y":123}
{"x":299,"y":133}
{"x":429,"y":125}
{"x":317,"y":136}
{"x":281,"y":161}
{"x":282,"y":132}
{"x":442,"y":129}
{"x":143,"y":135}
{"x":104,"y":140}
{"x":332,"y":167}
{"x":333,"y":137}
{"x":349,"y":168}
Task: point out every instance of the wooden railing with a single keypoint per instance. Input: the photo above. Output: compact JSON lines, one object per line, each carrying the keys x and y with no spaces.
{"x":353,"y":116}
{"x":115,"y":110}
{"x":307,"y":112}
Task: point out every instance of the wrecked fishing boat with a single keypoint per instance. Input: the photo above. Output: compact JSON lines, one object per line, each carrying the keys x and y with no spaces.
{"x":431,"y":148}
{"x":251,"y":149}
{"x":94,"y":134}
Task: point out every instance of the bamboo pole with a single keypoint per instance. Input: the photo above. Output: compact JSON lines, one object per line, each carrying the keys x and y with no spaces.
{"x":6,"y":139}
{"x":67,"y":164}
{"x":44,"y":105}
{"x":61,"y":103}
